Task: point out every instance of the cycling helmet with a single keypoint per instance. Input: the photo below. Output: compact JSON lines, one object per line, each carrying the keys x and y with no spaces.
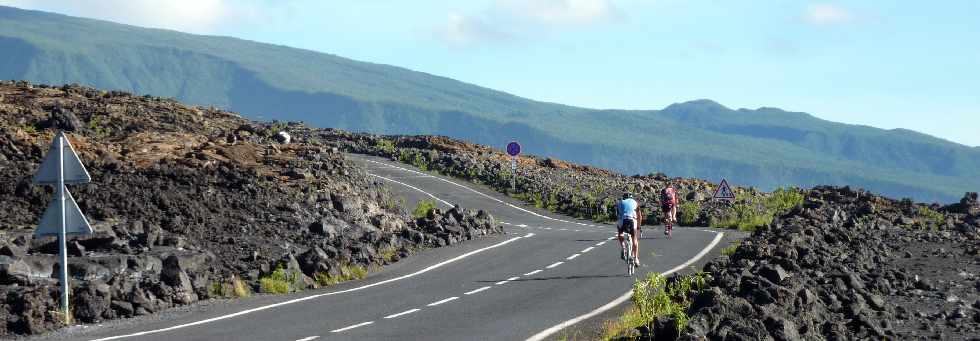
{"x":627,"y":195}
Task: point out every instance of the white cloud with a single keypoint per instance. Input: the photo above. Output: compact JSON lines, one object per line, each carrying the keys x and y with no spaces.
{"x":560,"y":12}
{"x":461,"y":30}
{"x":196,"y":16}
{"x":510,"y":20}
{"x":827,"y":14}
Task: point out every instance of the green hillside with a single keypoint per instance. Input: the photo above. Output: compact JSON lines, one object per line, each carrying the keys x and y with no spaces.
{"x":765,"y":147}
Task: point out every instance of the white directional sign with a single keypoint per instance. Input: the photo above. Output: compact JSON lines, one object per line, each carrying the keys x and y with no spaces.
{"x":75,"y":172}
{"x":75,"y":222}
{"x":724,"y":192}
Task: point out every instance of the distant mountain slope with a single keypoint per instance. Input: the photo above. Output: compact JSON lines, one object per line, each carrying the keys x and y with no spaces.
{"x":764,"y":147}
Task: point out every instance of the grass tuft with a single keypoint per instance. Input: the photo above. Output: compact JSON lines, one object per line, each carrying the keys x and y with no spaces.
{"x":347,"y":273}
{"x":655,"y":298}
{"x":422,"y":208}
{"x":730,"y":249}
{"x":278,"y":282}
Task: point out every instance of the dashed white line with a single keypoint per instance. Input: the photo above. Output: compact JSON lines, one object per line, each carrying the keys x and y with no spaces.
{"x":309,"y":338}
{"x":402,"y":313}
{"x":533,"y":272}
{"x":351,"y":327}
{"x":433,"y":304}
{"x":554,"y":265}
{"x":572,"y":256}
{"x":475,"y":291}
{"x":625,"y":297}
{"x":522,"y":225}
{"x":311,"y":297}
{"x":588,"y":249}
{"x":599,"y":243}
{"x":611,"y":238}
{"x":562,"y":229}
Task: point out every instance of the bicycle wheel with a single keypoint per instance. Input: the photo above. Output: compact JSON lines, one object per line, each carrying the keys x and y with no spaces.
{"x":628,"y":243}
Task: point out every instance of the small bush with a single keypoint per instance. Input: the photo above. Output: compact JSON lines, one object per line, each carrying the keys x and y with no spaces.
{"x":927,"y":218}
{"x":688,"y":213}
{"x":423,"y":208}
{"x":233,"y":288}
{"x":385,"y":145}
{"x":655,"y":298}
{"x":347,"y":273}
{"x":730,"y":250}
{"x":749,"y":214}
{"x":278,"y":282}
{"x":388,"y":253}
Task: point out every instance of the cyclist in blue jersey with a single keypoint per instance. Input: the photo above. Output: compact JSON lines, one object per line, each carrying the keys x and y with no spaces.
{"x":627,"y":221}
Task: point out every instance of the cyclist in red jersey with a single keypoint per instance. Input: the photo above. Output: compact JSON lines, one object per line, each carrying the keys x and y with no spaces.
{"x":668,"y":202}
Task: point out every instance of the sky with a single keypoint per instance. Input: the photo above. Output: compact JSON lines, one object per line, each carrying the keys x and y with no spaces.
{"x":887,"y":64}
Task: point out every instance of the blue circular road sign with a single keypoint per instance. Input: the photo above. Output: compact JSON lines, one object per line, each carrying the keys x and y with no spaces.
{"x":513,"y":148}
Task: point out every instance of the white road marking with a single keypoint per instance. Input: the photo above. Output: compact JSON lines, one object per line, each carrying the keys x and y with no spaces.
{"x":402,"y":313}
{"x":351,"y":327}
{"x":599,"y":243}
{"x":554,"y":265}
{"x":475,"y":191}
{"x":412,"y":187}
{"x":588,"y":249}
{"x":562,"y":229}
{"x":532,"y":272}
{"x":522,"y":225}
{"x":433,"y":304}
{"x":514,"y":278}
{"x":507,"y":280}
{"x":309,"y":338}
{"x":307,"y":298}
{"x":611,"y":238}
{"x":625,"y":297}
{"x":572,"y":256}
{"x":475,"y":291}
{"x":547,"y":228}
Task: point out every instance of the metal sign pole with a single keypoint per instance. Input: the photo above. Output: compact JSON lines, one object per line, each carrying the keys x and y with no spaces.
{"x":62,"y":236}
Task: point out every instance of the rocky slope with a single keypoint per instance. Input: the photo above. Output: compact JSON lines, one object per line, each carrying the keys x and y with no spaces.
{"x":845,"y":265}
{"x":183,"y":201}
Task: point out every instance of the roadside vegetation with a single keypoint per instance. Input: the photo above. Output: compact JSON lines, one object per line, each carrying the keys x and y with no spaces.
{"x":656,"y":298}
{"x":422,"y":208}
{"x":748,"y":214}
{"x":348,"y":272}
{"x":730,"y":249}
{"x":278,"y":282}
{"x":232,"y":288}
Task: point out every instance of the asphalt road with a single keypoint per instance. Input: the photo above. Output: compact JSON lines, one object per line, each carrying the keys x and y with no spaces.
{"x":544,"y":271}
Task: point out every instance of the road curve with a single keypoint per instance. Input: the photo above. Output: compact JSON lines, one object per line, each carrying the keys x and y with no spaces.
{"x":544,"y":273}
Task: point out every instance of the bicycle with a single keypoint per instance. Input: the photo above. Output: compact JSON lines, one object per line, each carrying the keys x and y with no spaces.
{"x":668,"y":226}
{"x":628,"y":250}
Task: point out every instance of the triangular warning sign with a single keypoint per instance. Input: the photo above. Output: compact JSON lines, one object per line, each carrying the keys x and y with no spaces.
{"x":75,"y":222}
{"x":724,"y":192}
{"x":74,"y":170}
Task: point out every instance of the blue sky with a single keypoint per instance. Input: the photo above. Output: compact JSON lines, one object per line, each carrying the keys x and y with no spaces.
{"x":888,"y":64}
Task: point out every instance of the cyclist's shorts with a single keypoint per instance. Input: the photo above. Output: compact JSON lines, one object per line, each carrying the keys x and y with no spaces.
{"x":627,"y":225}
{"x":666,"y":207}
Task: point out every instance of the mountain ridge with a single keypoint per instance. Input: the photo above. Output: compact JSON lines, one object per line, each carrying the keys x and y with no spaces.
{"x":764,"y":147}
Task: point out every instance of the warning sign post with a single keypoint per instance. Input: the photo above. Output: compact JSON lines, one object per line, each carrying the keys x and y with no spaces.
{"x":724,"y":193}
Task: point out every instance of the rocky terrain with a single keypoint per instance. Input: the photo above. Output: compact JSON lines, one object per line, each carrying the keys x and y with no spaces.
{"x":186,"y":202}
{"x":848,"y":265}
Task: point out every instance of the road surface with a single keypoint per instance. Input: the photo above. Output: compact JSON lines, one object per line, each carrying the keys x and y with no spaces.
{"x":547,"y":271}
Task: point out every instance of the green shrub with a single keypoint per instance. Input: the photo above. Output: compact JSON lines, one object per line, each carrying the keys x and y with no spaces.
{"x":730,"y":249}
{"x":423,"y":208}
{"x":654,"y":298}
{"x":749,"y":214}
{"x":688,"y":213}
{"x":388,"y":253}
{"x":385,"y":145}
{"x":233,"y":288}
{"x":278,"y":282}
{"x":927,"y":218}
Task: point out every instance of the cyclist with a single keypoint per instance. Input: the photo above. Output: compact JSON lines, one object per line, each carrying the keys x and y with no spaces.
{"x":668,"y":202}
{"x":626,"y":212}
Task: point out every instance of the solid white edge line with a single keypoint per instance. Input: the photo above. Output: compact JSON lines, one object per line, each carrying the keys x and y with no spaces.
{"x":307,"y":298}
{"x":554,"y":265}
{"x":514,"y":278}
{"x":501,"y":282}
{"x":625,"y":297}
{"x":412,"y":187}
{"x":600,"y":243}
{"x":402,"y":313}
{"x":588,"y":249}
{"x":309,"y":338}
{"x":476,"y":291}
{"x":573,"y":256}
{"x":433,"y":304}
{"x":475,"y":191}
{"x":351,"y":327}
{"x":533,"y":272}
